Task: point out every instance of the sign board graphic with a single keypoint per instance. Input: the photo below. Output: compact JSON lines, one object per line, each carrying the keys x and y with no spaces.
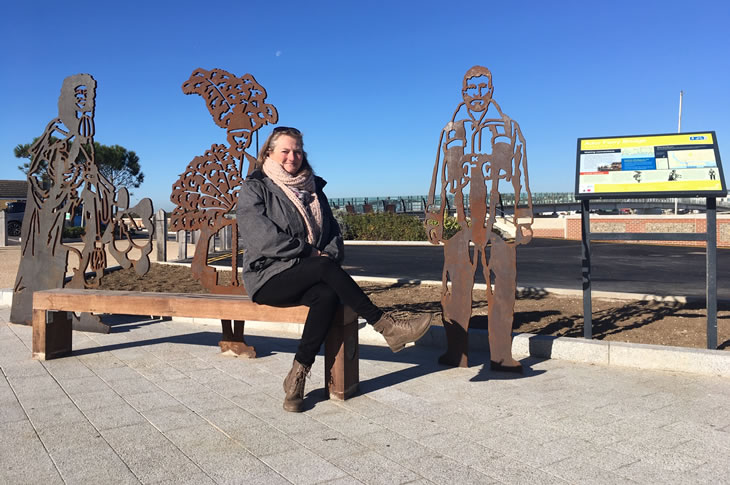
{"x":670,"y":165}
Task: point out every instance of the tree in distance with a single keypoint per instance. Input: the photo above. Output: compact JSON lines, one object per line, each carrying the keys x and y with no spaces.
{"x":117,"y":164}
{"x":23,"y":151}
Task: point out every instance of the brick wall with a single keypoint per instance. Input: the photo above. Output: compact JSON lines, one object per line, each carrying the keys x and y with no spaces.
{"x":637,"y":223}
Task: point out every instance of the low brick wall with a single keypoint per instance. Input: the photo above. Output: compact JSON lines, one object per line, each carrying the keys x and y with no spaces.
{"x":690,"y":223}
{"x":551,"y":232}
{"x":549,"y":227}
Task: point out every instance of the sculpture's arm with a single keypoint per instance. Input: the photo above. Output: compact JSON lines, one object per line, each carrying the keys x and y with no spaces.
{"x":520,"y":181}
{"x":435,"y":217}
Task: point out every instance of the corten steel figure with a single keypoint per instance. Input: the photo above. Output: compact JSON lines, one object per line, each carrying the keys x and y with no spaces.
{"x":63,"y":164}
{"x":479,"y":148}
{"x":208,"y":189}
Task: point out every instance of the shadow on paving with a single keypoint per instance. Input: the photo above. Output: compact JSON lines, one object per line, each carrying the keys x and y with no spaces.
{"x":622,"y":316}
{"x":479,"y":303}
{"x":617,"y":319}
{"x":424,"y":362}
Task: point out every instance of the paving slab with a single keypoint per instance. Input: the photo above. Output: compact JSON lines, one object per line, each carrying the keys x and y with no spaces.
{"x":148,"y":453}
{"x":328,"y":443}
{"x":23,"y":458}
{"x":222,"y":458}
{"x":375,"y":468}
{"x":303,"y":467}
{"x":111,"y":417}
{"x":82,"y":465}
{"x":173,"y":417}
{"x":77,"y":386}
{"x":12,"y":411}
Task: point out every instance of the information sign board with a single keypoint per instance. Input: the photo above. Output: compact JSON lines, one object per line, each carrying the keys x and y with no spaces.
{"x":638,"y":166}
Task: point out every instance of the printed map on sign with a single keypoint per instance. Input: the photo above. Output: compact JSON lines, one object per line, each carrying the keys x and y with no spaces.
{"x":692,"y":158}
{"x":685,"y":164}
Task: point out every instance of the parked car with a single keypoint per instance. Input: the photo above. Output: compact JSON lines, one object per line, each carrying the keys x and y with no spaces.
{"x":14,"y":217}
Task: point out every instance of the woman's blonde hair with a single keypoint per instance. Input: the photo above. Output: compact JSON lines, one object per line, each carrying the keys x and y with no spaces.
{"x":271,"y":141}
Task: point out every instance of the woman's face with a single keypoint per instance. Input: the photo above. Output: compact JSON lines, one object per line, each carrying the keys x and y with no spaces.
{"x":287,"y":152}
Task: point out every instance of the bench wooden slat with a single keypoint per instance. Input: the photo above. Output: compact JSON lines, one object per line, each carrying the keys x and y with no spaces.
{"x":223,"y":307}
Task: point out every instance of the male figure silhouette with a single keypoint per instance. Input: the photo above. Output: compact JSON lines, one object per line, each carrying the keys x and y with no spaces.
{"x":63,"y":177}
{"x":478,"y":148}
{"x":59,"y":159}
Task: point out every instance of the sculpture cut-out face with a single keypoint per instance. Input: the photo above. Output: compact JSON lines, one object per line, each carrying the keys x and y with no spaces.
{"x":80,"y":94}
{"x":76,"y":104}
{"x":287,"y":152}
{"x":477,"y":89}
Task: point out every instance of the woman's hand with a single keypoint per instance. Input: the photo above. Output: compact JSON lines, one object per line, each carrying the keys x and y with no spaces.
{"x":316,"y":252}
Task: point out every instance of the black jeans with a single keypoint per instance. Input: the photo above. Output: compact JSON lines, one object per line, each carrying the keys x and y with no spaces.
{"x":321,"y":284}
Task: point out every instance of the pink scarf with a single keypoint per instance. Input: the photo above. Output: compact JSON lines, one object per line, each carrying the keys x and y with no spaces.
{"x":300,"y":190}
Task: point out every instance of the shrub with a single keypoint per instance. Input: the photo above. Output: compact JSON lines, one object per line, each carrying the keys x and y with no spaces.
{"x":381,"y":226}
{"x":339,"y":215}
{"x":73,"y":232}
{"x":451,"y":226}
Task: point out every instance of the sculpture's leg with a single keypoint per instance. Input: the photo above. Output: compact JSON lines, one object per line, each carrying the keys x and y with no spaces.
{"x":503,"y":265}
{"x":456,"y":300}
{"x":40,"y":268}
{"x":207,"y":275}
{"x":233,"y":342}
{"x":227,"y":330}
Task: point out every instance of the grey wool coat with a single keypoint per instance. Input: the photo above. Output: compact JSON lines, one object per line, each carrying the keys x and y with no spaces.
{"x":273,"y":234}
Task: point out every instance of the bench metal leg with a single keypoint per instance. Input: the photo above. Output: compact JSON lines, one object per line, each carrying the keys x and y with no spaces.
{"x":342,"y":356}
{"x":51,"y":334}
{"x":233,"y":340}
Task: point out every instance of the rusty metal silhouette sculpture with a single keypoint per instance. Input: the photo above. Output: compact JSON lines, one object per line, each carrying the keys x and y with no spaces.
{"x":479,"y":148}
{"x":208,"y":189}
{"x":64,"y":180}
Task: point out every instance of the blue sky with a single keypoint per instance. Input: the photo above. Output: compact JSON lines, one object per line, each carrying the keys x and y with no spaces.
{"x":371,"y":84}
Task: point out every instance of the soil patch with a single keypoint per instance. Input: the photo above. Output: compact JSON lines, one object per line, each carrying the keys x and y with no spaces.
{"x":647,"y":322}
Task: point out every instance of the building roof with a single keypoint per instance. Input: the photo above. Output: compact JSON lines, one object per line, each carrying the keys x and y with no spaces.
{"x":13,"y":189}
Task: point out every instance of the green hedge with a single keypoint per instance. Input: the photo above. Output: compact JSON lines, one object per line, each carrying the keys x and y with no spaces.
{"x":73,"y":232}
{"x":381,"y":226}
{"x":451,"y":227}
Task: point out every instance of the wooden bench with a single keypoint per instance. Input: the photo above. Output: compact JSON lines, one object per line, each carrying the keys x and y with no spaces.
{"x":52,"y":324}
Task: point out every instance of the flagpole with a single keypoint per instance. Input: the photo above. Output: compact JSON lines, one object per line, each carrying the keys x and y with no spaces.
{"x":679,"y":130}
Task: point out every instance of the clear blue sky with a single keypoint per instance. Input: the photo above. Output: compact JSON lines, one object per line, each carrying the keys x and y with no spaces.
{"x":371,"y":84}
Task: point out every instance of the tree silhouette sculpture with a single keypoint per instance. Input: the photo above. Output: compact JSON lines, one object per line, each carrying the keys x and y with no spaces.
{"x":208,"y":189}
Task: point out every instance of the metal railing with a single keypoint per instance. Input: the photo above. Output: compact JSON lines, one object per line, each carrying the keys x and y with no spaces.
{"x":541,"y":201}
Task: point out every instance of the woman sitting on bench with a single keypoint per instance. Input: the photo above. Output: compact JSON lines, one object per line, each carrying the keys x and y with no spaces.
{"x":293,"y":254}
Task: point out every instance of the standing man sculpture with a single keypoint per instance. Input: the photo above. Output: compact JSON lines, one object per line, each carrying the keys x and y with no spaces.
{"x":60,"y":157}
{"x":64,"y":178}
{"x":478,"y":148}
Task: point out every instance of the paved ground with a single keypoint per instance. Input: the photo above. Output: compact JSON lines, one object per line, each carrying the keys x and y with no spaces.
{"x":157,"y":403}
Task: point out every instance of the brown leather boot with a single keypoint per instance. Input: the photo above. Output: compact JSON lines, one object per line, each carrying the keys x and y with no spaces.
{"x":400,"y":331}
{"x":294,"y":387}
